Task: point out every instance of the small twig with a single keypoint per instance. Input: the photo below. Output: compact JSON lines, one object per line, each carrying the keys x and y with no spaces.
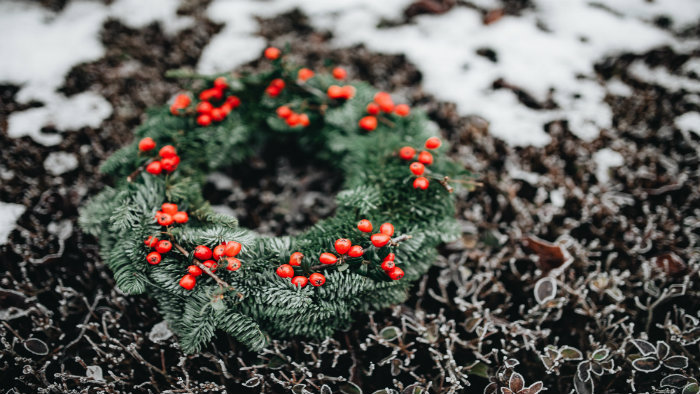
{"x":137,"y":171}
{"x":386,"y":121}
{"x":205,"y":269}
{"x":91,"y":312}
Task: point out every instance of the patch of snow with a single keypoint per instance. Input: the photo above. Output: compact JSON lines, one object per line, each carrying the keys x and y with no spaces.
{"x":557,"y":197}
{"x":605,"y":159}
{"x":94,"y":372}
{"x":139,"y":13}
{"x":160,"y":332}
{"x":662,"y":77}
{"x":220,"y":180}
{"x":689,"y":121}
{"x":616,"y":87}
{"x":518,"y":173}
{"x":9,"y":213}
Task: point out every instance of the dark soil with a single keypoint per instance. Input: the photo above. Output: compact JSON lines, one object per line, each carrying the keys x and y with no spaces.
{"x":640,"y":227}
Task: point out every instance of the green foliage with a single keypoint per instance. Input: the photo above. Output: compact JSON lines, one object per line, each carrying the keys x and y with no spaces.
{"x":260,"y":305}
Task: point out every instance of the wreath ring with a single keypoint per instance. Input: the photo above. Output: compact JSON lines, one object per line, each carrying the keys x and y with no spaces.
{"x":160,"y":237}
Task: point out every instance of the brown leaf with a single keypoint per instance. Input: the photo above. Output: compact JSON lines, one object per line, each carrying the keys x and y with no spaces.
{"x":493,"y":16}
{"x":550,"y":255}
{"x":671,"y":264}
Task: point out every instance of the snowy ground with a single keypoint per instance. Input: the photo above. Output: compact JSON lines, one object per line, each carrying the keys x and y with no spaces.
{"x":548,"y":52}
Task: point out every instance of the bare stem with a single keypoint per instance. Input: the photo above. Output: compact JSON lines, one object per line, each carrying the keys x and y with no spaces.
{"x":137,"y":171}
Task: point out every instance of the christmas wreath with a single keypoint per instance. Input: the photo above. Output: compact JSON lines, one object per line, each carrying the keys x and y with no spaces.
{"x":159,"y":235}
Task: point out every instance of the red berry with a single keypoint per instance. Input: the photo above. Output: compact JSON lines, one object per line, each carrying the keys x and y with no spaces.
{"x":273,"y":91}
{"x":425,"y":158}
{"x":220,"y":83}
{"x":304,"y":120}
{"x":342,"y":245}
{"x":217,"y":115}
{"x":372,"y":109}
{"x":402,"y":110}
{"x":293,"y":120}
{"x":167,"y":151}
{"x":328,"y":258}
{"x":154,"y":168}
{"x":384,"y":101}
{"x":232,"y":263}
{"x":278,"y":83}
{"x":335,"y":92}
{"x":305,"y":74}
{"x":388,"y":265}
{"x":300,"y":281}
{"x":164,"y":246}
{"x":153,"y":258}
{"x":390,"y":256}
{"x":368,"y":123}
{"x":421,"y":183}
{"x":272,"y":53}
{"x":169,"y":164}
{"x":407,"y":153}
{"x":180,"y":217}
{"x":380,"y":239}
{"x":164,"y":219}
{"x":146,"y":144}
{"x":194,"y":270}
{"x":169,"y":208}
{"x":233,"y":101}
{"x":151,"y":241}
{"x":347,"y":92}
{"x":339,"y":73}
{"x":396,"y":273}
{"x":181,"y":101}
{"x":285,"y":271}
{"x":212,"y":93}
{"x":317,"y":279}
{"x":204,"y":120}
{"x":295,"y":258}
{"x":233,"y":248}
{"x":283,"y":111}
{"x":204,"y":107}
{"x":188,"y":281}
{"x":356,"y":251}
{"x":387,"y":228}
{"x":211,"y":264}
{"x":433,"y":143}
{"x":417,"y":168}
{"x":226,"y":109}
{"x":365,"y":226}
{"x":219,"y":251}
{"x":202,"y":252}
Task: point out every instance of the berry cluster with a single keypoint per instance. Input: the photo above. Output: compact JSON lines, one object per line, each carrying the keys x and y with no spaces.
{"x":292,"y":118}
{"x":379,"y":240}
{"x":161,"y":247}
{"x":337,"y":92}
{"x":275,"y":87}
{"x":169,"y":214}
{"x":287,"y":271}
{"x":181,"y":102}
{"x":169,"y":160}
{"x":382,"y":103}
{"x":207,"y":112}
{"x":224,"y":253}
{"x":425,"y":158}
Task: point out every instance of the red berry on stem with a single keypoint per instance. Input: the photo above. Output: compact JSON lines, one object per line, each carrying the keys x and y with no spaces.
{"x":396,"y":273}
{"x":368,"y":123}
{"x":283,"y":111}
{"x":164,"y":246}
{"x":154,"y":168}
{"x":233,"y":101}
{"x":387,"y":228}
{"x":211,"y":264}
{"x":168,"y":208}
{"x":212,"y":93}
{"x":272,"y":53}
{"x":180,"y":217}
{"x":384,"y":101}
{"x":421,"y":183}
{"x":335,"y":92}
{"x":233,"y":248}
{"x":232,"y":263}
{"x":339,"y":73}
{"x":390,"y":256}
{"x":285,"y":271}
{"x":194,"y":270}
{"x":388,"y":265}
{"x":425,"y":158}
{"x":151,"y":241}
{"x":417,"y":168}
{"x":293,"y":120}
{"x":380,"y":239}
{"x":218,"y":251}
{"x":204,"y":120}
{"x":348,"y":92}
{"x":300,"y":281}
{"x":356,"y":251}
{"x":317,"y":279}
{"x":304,"y":120}
{"x":372,"y":109}
{"x":146,"y":144}
{"x":202,"y":252}
{"x":204,"y":107}
{"x":328,"y":258}
{"x":433,"y":143}
{"x":188,"y":281}
{"x":342,"y":245}
{"x":402,"y":110}
{"x":365,"y":226}
{"x":220,"y":83}
{"x":305,"y":74}
{"x":295,"y":258}
{"x":167,"y":151}
{"x":407,"y":153}
{"x":278,"y":83}
{"x":153,"y":258}
{"x":164,"y":219}
{"x":217,"y":115}
{"x":169,"y":164}
{"x":273,"y":91}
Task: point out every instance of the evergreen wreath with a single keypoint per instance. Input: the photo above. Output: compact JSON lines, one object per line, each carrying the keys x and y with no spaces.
{"x":159,"y":235}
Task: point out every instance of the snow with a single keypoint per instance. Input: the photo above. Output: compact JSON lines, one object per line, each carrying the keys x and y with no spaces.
{"x":662,"y":77}
{"x":9,"y":213}
{"x":689,"y":121}
{"x":605,"y":159}
{"x":57,"y":163}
